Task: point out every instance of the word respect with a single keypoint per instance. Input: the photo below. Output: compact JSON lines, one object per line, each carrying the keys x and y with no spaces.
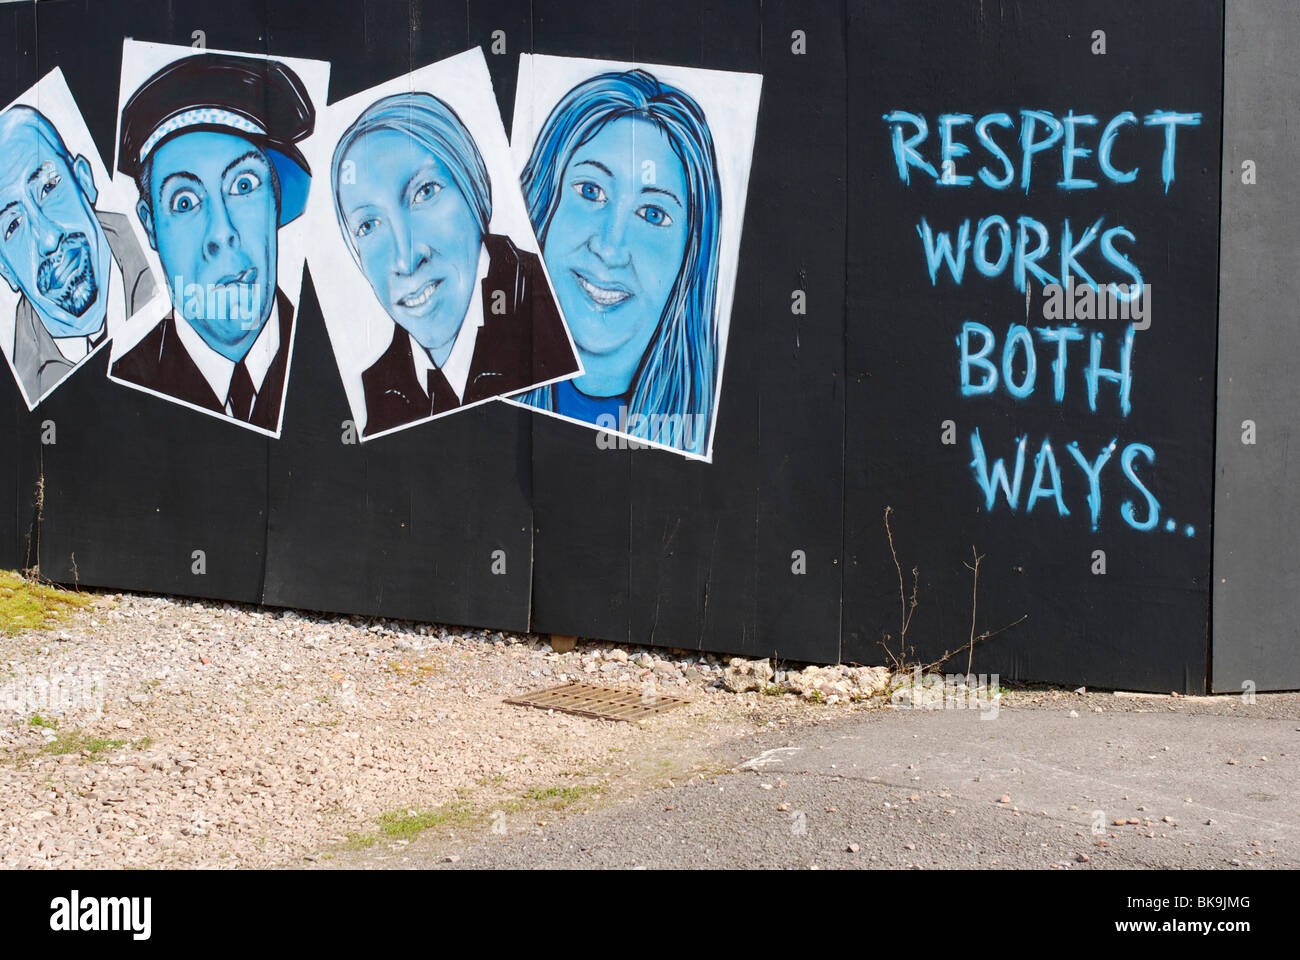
{"x":1039,"y":132}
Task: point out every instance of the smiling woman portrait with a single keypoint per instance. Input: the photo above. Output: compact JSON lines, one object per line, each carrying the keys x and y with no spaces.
{"x":622,"y":188}
{"x":473,"y":317}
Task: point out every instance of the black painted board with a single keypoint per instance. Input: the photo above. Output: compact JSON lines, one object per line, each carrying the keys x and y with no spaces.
{"x":798,"y":197}
{"x":692,"y":524}
{"x":581,"y":494}
{"x":429,"y":523}
{"x":504,"y":29}
{"x":135,"y":485}
{"x":17,"y":73}
{"x":11,"y":412}
{"x":402,"y":526}
{"x":1143,"y":624}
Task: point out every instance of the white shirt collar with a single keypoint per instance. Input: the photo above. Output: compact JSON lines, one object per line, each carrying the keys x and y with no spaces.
{"x":76,"y":349}
{"x":456,"y":367}
{"x":218,"y":370}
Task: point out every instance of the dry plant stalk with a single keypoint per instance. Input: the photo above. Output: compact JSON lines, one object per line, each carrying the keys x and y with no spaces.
{"x":969,"y":646}
{"x":906,"y":608}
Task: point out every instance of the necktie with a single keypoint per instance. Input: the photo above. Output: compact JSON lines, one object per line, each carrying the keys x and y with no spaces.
{"x":440,"y":392}
{"x":242,"y":394}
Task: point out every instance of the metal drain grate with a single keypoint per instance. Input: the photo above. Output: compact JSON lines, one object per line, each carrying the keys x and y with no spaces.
{"x":602,"y":703}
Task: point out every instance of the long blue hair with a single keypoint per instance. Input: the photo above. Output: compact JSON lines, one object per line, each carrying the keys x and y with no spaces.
{"x":677,"y":378}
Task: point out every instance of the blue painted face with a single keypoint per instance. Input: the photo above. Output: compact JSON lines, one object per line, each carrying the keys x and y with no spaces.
{"x":52,"y":247}
{"x":414,"y":233}
{"x":614,"y":247}
{"x":213,"y":222}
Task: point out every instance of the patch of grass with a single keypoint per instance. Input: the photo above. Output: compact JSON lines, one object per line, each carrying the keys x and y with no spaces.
{"x":74,"y":741}
{"x":49,"y":723}
{"x":409,"y":824}
{"x":29,"y":605}
{"x":358,"y":841}
{"x":558,"y":797}
{"x":144,"y":743}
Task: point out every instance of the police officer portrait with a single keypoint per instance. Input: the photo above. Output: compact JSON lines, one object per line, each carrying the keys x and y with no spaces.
{"x":211,"y":142}
{"x":428,"y":271}
{"x":71,"y":254}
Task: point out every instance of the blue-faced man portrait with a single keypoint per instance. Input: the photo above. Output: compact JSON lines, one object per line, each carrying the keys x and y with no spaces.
{"x":211,"y":141}
{"x":473,"y":317}
{"x":78,"y":271}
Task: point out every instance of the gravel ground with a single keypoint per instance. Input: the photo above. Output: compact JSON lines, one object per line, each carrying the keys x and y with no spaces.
{"x":213,"y":735}
{"x":185,"y":734}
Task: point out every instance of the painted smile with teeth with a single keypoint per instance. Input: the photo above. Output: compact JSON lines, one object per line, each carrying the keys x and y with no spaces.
{"x":421,"y":296}
{"x":601,"y":296}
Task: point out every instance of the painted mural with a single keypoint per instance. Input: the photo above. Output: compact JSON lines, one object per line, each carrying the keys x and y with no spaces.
{"x":210,"y":140}
{"x":637,"y":193}
{"x":71,"y":250}
{"x":423,"y":258}
{"x":1086,"y":301}
{"x":584,"y":270}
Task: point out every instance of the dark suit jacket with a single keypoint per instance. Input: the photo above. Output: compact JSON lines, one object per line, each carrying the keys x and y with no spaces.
{"x":515,"y":350}
{"x":161,"y":362}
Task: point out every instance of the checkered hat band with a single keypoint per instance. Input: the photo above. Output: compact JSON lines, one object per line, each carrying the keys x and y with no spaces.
{"x":206,"y":116}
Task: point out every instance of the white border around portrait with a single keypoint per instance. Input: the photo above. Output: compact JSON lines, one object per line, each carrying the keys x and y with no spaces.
{"x":142,"y":60}
{"x":359,"y":328}
{"x":730,"y":103}
{"x":54,"y":100}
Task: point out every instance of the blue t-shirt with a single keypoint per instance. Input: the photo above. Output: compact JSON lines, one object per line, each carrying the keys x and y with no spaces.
{"x":572,"y":402}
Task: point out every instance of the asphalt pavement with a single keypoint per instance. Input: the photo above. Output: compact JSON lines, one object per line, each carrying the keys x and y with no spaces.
{"x":1143,"y":783}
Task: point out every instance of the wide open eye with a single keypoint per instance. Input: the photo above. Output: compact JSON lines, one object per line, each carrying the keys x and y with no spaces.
{"x":656,"y":216}
{"x":426,"y":191}
{"x":183,"y":201}
{"x":12,"y":227}
{"x":366,"y":227}
{"x":243,"y":184}
{"x":590,"y":191}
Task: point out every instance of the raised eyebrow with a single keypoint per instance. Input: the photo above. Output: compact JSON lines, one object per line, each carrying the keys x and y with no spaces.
{"x":250,"y":155}
{"x":8,"y":207}
{"x":666,"y":193}
{"x":36,"y":174}
{"x":598,"y":165}
{"x":182,"y":175}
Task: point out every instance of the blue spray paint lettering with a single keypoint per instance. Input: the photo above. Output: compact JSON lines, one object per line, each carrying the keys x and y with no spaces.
{"x":1046,"y":458}
{"x":1127,"y":510}
{"x":991,"y":479}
